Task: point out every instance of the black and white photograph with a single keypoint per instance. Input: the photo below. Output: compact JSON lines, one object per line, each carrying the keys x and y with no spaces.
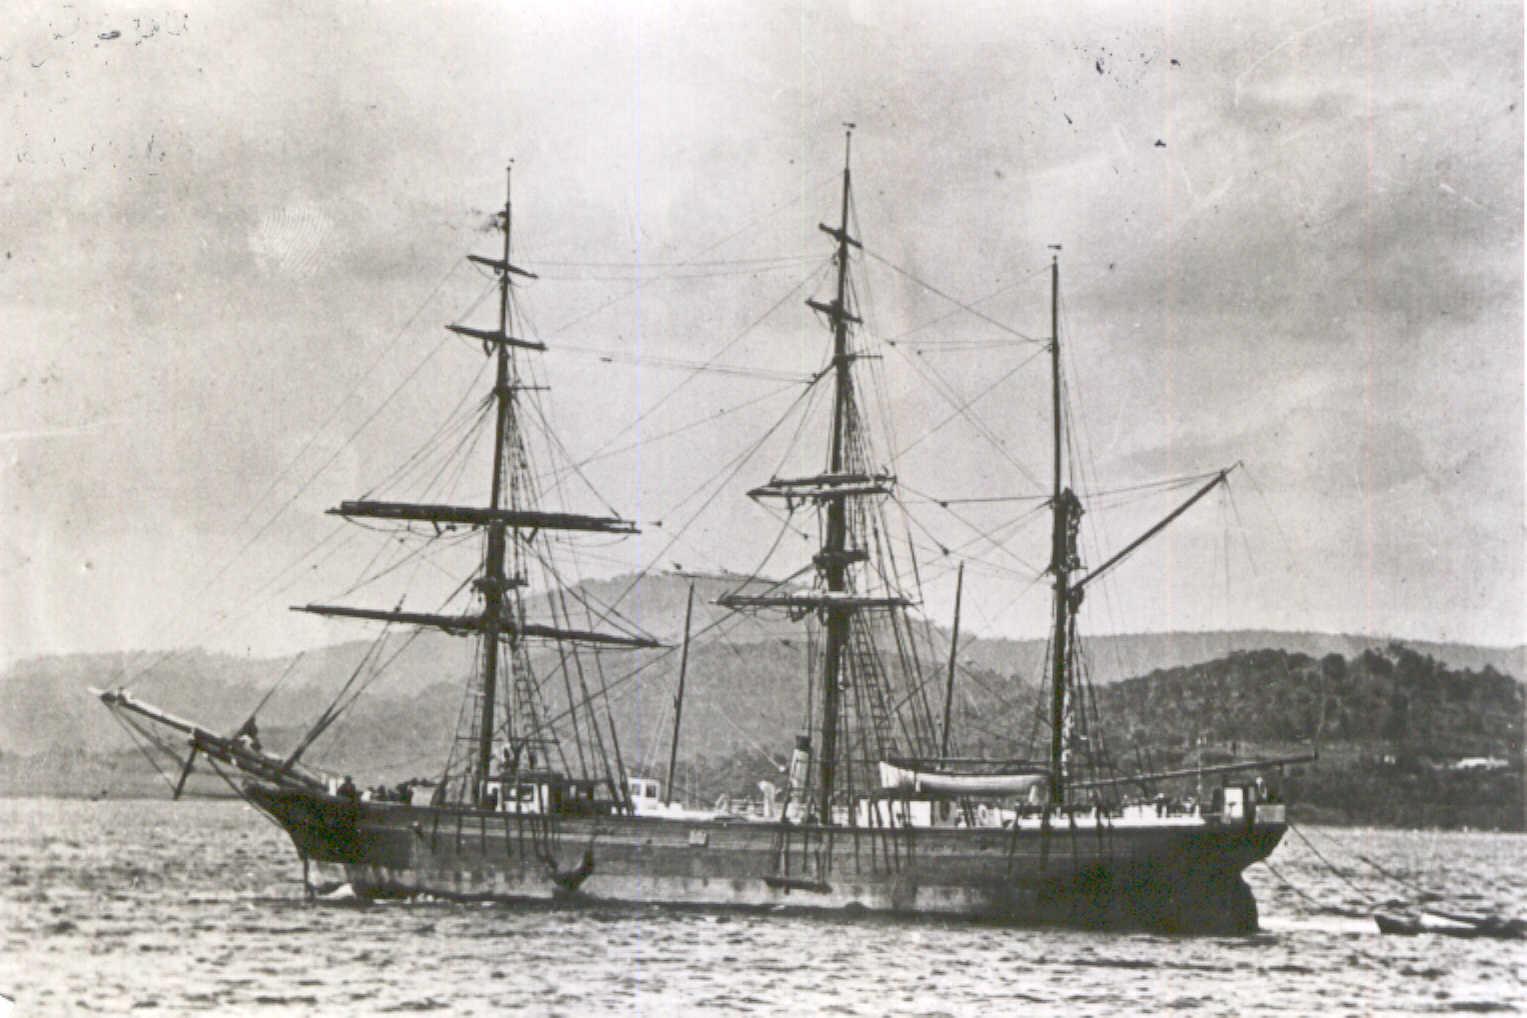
{"x":817,"y":507}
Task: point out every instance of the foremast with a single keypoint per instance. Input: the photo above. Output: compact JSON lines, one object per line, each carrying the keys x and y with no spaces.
{"x":494,"y":582}
{"x":509,"y":525}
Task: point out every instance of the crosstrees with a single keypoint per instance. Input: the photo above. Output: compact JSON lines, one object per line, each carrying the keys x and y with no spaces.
{"x":513,"y":526}
{"x":856,"y":715}
{"x":496,"y":338}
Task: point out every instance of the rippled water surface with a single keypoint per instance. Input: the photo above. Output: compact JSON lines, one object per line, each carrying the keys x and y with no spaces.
{"x":191,"y":907}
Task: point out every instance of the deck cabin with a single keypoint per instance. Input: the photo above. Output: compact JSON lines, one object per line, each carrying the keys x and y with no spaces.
{"x":548,"y":792}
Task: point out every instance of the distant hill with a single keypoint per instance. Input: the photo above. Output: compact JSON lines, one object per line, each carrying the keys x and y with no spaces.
{"x":656,"y":603}
{"x":746,"y":692}
{"x":1115,"y":657}
{"x":45,"y":704}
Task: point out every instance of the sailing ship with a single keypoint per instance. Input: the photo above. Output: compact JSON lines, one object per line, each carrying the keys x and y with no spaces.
{"x":877,"y":814}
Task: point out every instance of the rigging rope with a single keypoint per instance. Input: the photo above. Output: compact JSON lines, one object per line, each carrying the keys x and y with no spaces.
{"x":645,"y":278}
{"x":401,"y":562}
{"x":313,"y":437}
{"x":1314,"y":903}
{"x":343,"y":446}
{"x":636,"y":422}
{"x":454,"y":267}
{"x":735,"y":466}
{"x":960,"y":410}
{"x":803,"y":256}
{"x":706,"y":367}
{"x":133,"y":734}
{"x":281,"y":510}
{"x":870,"y":316}
{"x":555,"y":476}
{"x":983,"y":535}
{"x":951,"y":396}
{"x":401,"y":470}
{"x":1331,"y":866}
{"x":804,"y":193}
{"x":969,"y":308}
{"x":667,"y":651}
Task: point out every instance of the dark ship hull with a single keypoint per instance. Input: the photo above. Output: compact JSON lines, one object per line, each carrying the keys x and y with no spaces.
{"x":505,"y":830}
{"x":1173,"y":876}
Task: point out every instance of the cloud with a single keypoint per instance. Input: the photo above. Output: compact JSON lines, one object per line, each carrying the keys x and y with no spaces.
{"x":1320,"y":272}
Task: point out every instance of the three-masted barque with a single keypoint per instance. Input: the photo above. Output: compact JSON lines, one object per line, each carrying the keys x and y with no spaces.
{"x":877,"y":815}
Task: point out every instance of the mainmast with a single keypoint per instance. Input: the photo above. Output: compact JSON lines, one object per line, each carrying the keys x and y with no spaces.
{"x":832,"y":560}
{"x":846,"y":477}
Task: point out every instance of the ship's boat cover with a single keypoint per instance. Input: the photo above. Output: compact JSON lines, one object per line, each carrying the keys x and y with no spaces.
{"x":953,"y":782}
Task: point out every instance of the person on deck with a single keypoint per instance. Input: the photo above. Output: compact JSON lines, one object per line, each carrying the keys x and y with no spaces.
{"x":249,"y":735}
{"x":347,"y":789}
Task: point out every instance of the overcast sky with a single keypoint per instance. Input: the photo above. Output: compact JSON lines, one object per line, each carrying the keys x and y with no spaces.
{"x":1292,"y":237}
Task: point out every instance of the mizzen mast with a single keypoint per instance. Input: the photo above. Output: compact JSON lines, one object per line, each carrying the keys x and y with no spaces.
{"x":1065,"y":561}
{"x":1067,"y":510}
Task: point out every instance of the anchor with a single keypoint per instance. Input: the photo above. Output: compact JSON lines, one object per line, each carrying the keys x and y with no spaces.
{"x":568,"y":881}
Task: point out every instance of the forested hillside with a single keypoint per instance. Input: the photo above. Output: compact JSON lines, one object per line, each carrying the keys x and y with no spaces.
{"x":1404,"y":738}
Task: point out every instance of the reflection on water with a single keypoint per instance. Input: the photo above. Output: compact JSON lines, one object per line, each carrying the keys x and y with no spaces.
{"x":179,"y":908}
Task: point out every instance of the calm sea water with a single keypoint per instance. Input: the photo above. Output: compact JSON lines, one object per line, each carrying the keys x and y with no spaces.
{"x":196,"y":907}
